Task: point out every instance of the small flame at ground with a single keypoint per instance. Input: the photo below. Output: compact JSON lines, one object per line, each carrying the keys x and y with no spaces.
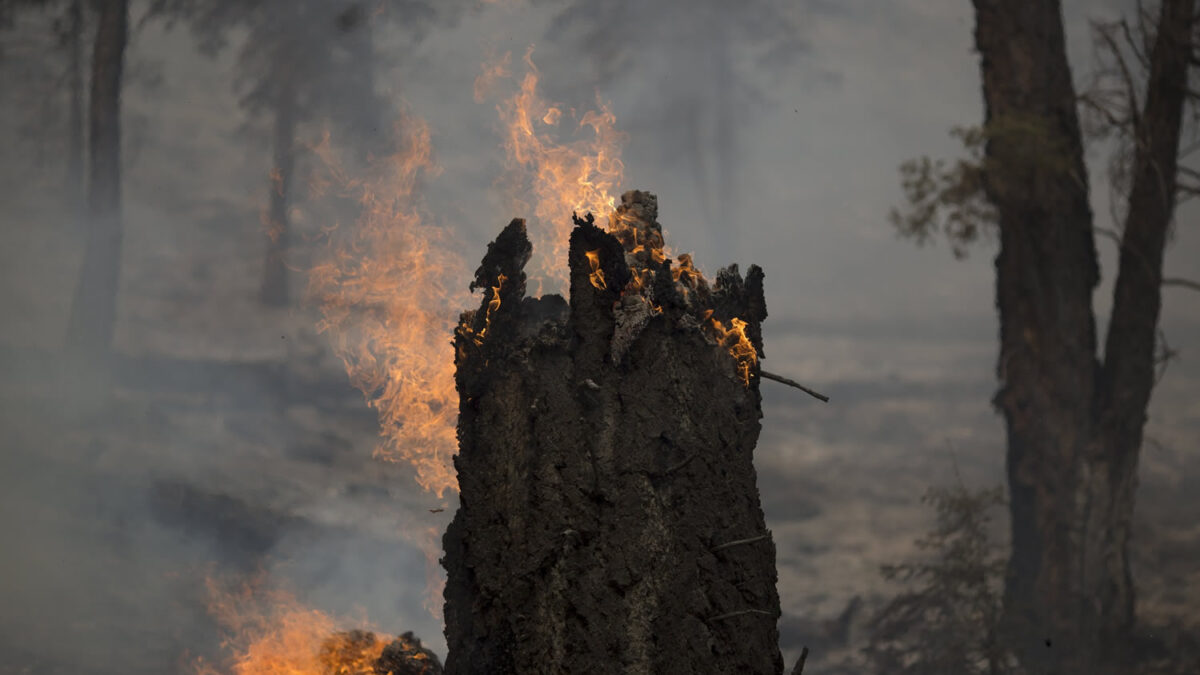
{"x":270,"y":631}
{"x":273,"y":634}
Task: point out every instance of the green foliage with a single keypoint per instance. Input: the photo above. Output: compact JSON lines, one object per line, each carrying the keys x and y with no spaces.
{"x":946,"y":198}
{"x":947,"y":621}
{"x":1012,"y":155}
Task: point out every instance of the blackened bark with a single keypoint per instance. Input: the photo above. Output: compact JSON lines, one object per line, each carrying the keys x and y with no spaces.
{"x":274,"y":290}
{"x":1074,"y":424}
{"x":609,"y":518}
{"x":93,"y":311}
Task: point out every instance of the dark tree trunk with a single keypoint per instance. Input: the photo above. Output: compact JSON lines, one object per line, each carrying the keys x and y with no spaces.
{"x":609,"y":518}
{"x":93,"y":311}
{"x":361,"y":123}
{"x":1127,"y":378}
{"x":274,"y":290}
{"x":75,"y":136}
{"x":1074,"y":424}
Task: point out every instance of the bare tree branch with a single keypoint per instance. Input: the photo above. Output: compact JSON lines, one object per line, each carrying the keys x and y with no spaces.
{"x":1105,"y":35}
{"x":1109,"y":234}
{"x":799,"y":668}
{"x":792,"y":383}
{"x":1180,"y":282}
{"x":1189,"y":149}
{"x":1189,"y":171}
{"x":1138,"y":52}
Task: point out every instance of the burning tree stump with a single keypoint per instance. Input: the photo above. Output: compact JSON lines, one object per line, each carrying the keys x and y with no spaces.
{"x":609,"y":519}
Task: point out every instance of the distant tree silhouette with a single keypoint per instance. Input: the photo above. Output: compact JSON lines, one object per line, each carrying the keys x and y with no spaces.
{"x":93,"y":310}
{"x":305,"y":61}
{"x":1074,"y":417}
{"x":68,"y":35}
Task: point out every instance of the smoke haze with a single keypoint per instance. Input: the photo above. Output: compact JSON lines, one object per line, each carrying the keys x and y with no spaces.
{"x":232,"y":444}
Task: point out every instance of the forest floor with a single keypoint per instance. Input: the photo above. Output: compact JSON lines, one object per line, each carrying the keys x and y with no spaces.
{"x":230,"y":444}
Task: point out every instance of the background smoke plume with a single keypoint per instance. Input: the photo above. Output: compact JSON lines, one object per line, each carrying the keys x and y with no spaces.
{"x":234,"y":444}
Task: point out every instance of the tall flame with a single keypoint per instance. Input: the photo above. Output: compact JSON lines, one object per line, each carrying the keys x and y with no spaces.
{"x":386,"y":298}
{"x":563,"y":177}
{"x":386,"y":295}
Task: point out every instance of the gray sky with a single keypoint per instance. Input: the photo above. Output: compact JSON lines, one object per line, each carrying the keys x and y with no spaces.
{"x":903,"y":338}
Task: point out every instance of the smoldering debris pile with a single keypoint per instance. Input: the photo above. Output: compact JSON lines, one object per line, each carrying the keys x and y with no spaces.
{"x":360,"y":652}
{"x":610,"y":518}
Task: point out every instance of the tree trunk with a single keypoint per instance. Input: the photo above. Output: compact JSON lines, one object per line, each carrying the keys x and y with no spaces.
{"x":274,"y":290}
{"x":1073,"y":424}
{"x":75,"y":137}
{"x":609,"y":518}
{"x":93,"y":311}
{"x":1127,"y":378}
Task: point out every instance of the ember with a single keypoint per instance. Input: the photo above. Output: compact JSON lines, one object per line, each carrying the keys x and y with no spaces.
{"x":359,"y":652}
{"x":350,"y":653}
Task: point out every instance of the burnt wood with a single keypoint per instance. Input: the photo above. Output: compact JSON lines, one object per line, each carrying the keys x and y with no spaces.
{"x":609,"y":519}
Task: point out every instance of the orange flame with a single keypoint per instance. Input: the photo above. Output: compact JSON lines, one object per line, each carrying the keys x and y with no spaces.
{"x":386,"y":301}
{"x":351,"y":653}
{"x":737,"y":343}
{"x":485,"y":83}
{"x":597,"y":275}
{"x":578,"y":176}
{"x":271,"y":632}
{"x":492,"y":305}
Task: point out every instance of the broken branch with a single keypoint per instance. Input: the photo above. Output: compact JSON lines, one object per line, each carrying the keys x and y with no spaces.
{"x":1183,"y":283}
{"x":792,"y":383}
{"x":672,"y":469}
{"x":741,"y":612}
{"x":739,"y":542}
{"x":799,"y":669}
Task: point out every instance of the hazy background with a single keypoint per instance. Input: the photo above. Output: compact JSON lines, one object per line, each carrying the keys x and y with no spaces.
{"x":786,"y":156}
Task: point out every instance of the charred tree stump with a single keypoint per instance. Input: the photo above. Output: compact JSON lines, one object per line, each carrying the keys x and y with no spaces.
{"x":609,"y":519}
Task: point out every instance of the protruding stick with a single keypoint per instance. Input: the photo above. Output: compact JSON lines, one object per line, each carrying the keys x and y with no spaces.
{"x":799,"y":669}
{"x":739,"y":542}
{"x":741,"y":612}
{"x":792,"y":383}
